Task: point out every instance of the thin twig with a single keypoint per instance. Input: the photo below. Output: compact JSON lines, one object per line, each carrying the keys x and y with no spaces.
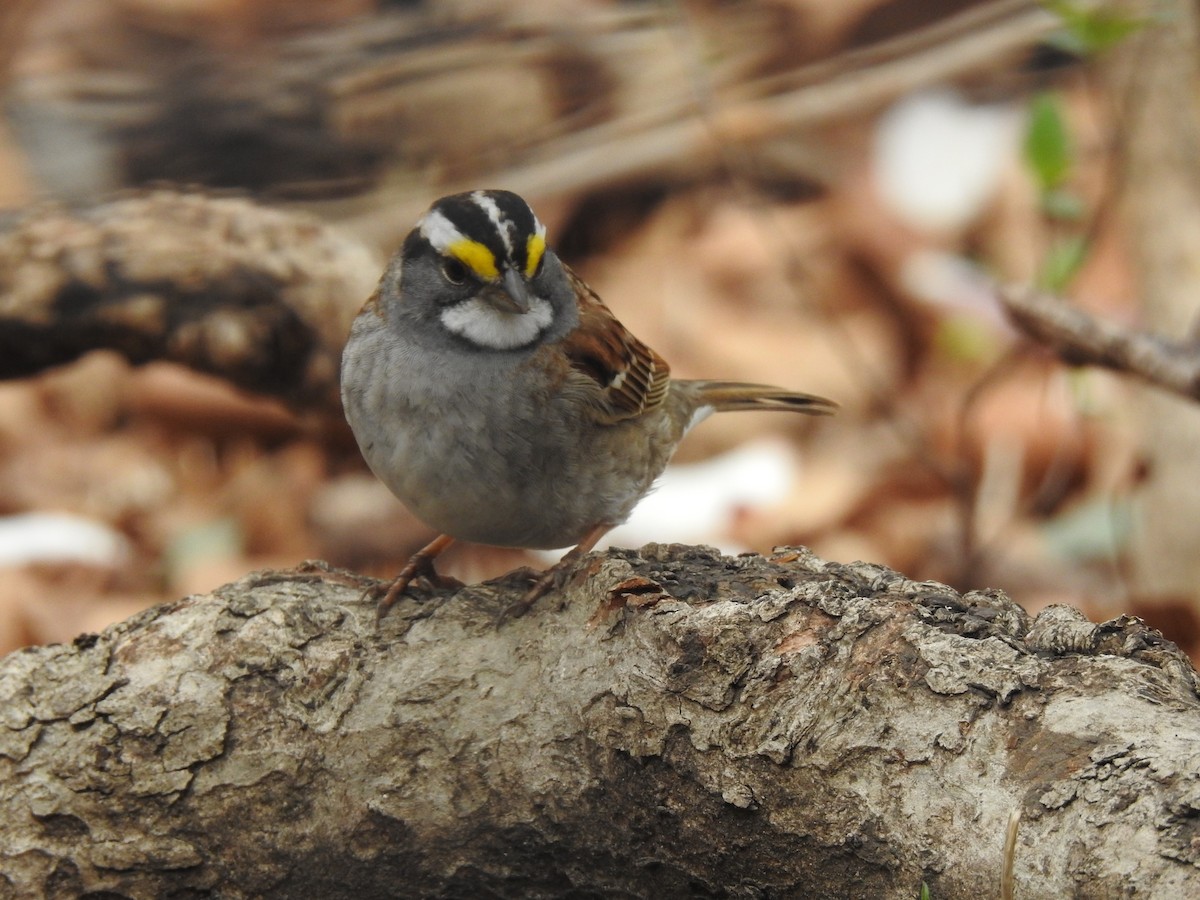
{"x":1082,"y":339}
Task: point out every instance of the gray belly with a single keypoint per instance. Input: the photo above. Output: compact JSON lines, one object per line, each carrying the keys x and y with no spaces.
{"x":479,"y":459}
{"x":523,"y":477}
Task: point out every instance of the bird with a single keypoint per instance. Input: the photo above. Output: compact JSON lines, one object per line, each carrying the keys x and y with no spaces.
{"x":495,"y":394}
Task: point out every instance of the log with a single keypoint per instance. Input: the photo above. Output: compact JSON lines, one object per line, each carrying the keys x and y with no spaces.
{"x":259,"y":297}
{"x":674,"y":723}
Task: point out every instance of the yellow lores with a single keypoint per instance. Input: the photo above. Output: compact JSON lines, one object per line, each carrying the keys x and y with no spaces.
{"x":535,"y":246}
{"x":475,"y":256}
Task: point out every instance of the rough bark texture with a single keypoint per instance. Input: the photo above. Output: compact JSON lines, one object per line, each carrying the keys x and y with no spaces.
{"x":677,"y":723}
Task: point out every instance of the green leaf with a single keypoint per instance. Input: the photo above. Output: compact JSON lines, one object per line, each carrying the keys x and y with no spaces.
{"x":1063,"y":263}
{"x":1047,"y":144}
{"x":924,"y":891}
{"x":1090,"y":31}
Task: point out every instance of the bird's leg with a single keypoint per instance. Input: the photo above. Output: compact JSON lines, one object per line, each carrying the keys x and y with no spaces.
{"x":420,"y":565}
{"x":553,"y":577}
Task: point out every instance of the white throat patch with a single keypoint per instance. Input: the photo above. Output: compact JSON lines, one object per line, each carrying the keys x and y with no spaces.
{"x":483,"y":324}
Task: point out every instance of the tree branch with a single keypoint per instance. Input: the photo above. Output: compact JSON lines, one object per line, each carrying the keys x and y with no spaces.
{"x":1082,"y":339}
{"x":259,"y":297}
{"x":686,"y":724}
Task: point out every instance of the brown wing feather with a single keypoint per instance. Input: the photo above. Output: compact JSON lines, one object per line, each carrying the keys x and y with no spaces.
{"x":632,"y":377}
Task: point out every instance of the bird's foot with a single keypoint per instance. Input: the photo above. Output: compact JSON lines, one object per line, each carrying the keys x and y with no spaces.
{"x":556,"y":576}
{"x":544,"y":583}
{"x":418,"y":568}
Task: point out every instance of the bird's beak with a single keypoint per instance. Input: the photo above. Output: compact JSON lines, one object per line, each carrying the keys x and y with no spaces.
{"x":512,"y":295}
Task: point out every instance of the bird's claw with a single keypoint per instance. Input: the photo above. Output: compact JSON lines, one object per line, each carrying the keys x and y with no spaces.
{"x":547,"y":582}
{"x":421,"y":573}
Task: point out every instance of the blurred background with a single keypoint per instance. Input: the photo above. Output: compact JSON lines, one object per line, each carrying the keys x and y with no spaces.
{"x":821,"y":196}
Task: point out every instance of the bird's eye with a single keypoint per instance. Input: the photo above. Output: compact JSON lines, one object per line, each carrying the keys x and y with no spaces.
{"x":453,"y":270}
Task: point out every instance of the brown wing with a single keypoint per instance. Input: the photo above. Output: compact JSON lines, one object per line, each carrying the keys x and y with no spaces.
{"x":631,"y":377}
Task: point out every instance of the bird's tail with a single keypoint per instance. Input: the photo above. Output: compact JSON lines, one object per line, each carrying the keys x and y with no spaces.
{"x":729,"y":396}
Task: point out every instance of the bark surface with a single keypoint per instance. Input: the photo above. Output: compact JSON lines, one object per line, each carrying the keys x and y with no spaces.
{"x":675,"y":723}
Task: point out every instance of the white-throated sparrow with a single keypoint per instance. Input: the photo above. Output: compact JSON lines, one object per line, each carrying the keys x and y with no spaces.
{"x":495,"y":394}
